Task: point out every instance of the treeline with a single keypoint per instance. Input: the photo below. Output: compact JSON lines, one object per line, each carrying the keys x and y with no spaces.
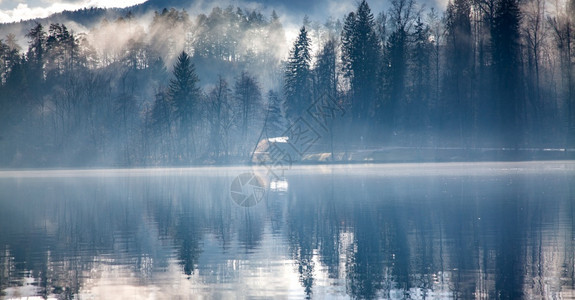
{"x":106,"y":97}
{"x":488,"y":73}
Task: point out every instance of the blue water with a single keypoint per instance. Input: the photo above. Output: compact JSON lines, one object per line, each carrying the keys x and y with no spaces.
{"x":476,"y":230}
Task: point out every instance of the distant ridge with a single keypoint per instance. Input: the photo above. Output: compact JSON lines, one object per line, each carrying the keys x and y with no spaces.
{"x":89,"y":17}
{"x":86,"y":17}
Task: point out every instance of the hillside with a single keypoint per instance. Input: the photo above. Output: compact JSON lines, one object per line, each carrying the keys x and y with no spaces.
{"x":83,"y":19}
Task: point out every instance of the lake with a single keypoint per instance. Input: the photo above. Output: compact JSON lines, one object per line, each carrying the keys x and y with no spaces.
{"x":453,"y":230}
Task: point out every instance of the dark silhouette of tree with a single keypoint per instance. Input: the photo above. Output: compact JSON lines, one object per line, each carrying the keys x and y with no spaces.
{"x":563,"y":29}
{"x":298,"y":80}
{"x":420,"y":58}
{"x":492,"y":74}
{"x":249,"y":99}
{"x":360,"y":57}
{"x":185,"y":97}
{"x":436,"y":39}
{"x":13,"y":104}
{"x":61,"y":49}
{"x":326,"y":70}
{"x":36,"y":51}
{"x":505,"y":37}
{"x":9,"y":56}
{"x":534,"y":33}
{"x":395,"y":62}
{"x":457,"y":90}
{"x":326,"y":85}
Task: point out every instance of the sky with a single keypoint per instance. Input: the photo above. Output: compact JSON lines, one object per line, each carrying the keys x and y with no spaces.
{"x":16,"y":10}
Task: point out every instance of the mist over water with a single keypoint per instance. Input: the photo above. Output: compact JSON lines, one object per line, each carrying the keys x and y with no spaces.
{"x":368,"y":150}
{"x":446,"y":231}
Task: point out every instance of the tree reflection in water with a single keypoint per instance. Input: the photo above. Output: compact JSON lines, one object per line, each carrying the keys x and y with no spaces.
{"x":350,"y":235}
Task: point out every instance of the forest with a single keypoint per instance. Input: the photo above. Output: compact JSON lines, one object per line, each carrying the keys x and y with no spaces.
{"x":180,"y":89}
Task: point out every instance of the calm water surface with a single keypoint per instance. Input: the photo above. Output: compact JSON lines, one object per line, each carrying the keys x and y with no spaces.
{"x":487,"y":230}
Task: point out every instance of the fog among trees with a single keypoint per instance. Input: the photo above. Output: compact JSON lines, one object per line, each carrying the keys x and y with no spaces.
{"x":182,"y":89}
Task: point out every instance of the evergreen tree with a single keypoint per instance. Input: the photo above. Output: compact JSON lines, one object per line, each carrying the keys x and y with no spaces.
{"x":360,"y":57}
{"x":400,"y":17}
{"x":420,"y":75}
{"x":456,"y":108}
{"x":297,"y":82}
{"x":185,"y":97}
{"x":507,"y":78}
{"x":59,"y":46}
{"x":327,"y":81}
{"x":35,"y":55}
{"x":9,"y":56}
{"x":325,"y":70}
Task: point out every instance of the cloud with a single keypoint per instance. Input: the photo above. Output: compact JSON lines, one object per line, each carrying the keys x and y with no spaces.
{"x":24,"y":11}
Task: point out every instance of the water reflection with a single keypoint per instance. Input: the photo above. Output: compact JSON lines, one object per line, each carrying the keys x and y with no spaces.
{"x":339,"y":232}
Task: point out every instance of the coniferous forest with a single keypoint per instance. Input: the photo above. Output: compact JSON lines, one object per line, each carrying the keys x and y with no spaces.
{"x":180,"y":88}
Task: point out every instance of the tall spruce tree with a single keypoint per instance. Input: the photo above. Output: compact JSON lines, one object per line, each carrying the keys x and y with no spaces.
{"x":326,"y":70}
{"x":505,"y":42}
{"x":456,"y":106}
{"x":361,"y":54}
{"x":420,"y":75}
{"x":185,"y":97}
{"x":400,"y":18}
{"x":298,"y":79}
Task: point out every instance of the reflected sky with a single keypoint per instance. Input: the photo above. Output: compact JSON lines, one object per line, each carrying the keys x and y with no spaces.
{"x":486,"y":230}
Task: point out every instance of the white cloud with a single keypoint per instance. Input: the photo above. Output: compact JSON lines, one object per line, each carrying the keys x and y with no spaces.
{"x":24,"y":12}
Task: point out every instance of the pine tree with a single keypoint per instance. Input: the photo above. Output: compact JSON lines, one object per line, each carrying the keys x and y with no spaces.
{"x":457,"y":92}
{"x":185,"y":97}
{"x":348,"y":45}
{"x":505,"y":41}
{"x":420,"y":75}
{"x":360,"y":57}
{"x":325,"y":70}
{"x":35,"y":55}
{"x":327,"y":82}
{"x":400,"y":17}
{"x":297,"y":77}
{"x":9,"y":56}
{"x":61,"y":49}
